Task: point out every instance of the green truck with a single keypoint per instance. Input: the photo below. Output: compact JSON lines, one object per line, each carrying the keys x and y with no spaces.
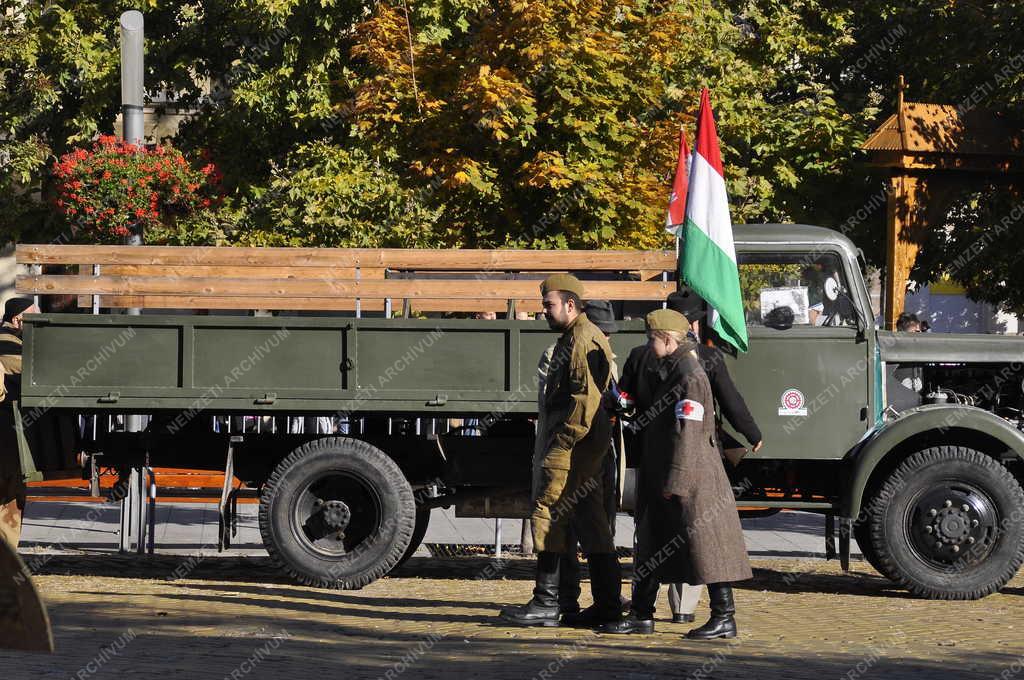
{"x":909,"y":443}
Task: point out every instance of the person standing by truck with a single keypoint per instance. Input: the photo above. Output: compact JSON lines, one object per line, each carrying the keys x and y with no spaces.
{"x":729,"y":404}
{"x":576,"y":435}
{"x":688,"y":529}
{"x":600,"y":313}
{"x":12,"y":485}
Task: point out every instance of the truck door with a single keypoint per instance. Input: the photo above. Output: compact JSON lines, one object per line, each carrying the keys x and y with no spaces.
{"x":807,"y":375}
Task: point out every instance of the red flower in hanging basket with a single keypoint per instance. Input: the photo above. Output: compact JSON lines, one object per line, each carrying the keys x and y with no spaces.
{"x":112,"y":189}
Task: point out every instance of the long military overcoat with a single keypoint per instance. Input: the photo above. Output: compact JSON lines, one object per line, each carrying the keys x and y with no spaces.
{"x":695,"y":536}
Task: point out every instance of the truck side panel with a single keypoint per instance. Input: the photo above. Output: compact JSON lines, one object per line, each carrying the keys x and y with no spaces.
{"x":298,"y":364}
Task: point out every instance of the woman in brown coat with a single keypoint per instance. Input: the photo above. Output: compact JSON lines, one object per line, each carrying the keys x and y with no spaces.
{"x":688,"y":529}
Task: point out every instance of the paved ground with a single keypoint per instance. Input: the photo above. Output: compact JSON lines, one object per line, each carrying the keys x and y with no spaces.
{"x":188,"y":613}
{"x":234,"y":618}
{"x":188,"y":528}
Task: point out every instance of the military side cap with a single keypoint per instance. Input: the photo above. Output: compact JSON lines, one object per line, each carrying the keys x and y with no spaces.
{"x":566,"y":282}
{"x":667,"y":320}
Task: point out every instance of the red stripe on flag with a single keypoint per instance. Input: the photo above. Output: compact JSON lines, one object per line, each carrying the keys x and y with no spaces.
{"x":677,"y":201}
{"x":707,"y":135}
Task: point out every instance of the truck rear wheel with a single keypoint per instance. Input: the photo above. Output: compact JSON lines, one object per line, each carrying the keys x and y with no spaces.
{"x":337,"y":513}
{"x":951,"y":528}
{"x":418,"y":532}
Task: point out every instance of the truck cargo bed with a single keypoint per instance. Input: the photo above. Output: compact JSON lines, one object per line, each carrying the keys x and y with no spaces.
{"x":287,"y":364}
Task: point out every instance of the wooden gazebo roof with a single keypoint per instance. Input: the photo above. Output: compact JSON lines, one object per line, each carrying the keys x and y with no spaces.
{"x":931,"y":150}
{"x":941,"y":136}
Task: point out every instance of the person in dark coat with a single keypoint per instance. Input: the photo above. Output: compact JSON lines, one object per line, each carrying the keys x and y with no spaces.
{"x":729,"y":403}
{"x":727,"y":398}
{"x":688,"y":529}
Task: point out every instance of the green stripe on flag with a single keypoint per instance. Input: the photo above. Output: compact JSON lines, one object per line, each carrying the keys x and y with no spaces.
{"x":712,"y":274}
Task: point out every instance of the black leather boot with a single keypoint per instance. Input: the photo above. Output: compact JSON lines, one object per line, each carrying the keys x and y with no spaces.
{"x":640,"y":620}
{"x":722,"y":623}
{"x":542,"y":609}
{"x":569,"y":584}
{"x":606,"y":587}
{"x":631,"y":624}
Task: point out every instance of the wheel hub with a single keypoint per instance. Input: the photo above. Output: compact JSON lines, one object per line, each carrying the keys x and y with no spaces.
{"x":950,"y":525}
{"x":336,"y":515}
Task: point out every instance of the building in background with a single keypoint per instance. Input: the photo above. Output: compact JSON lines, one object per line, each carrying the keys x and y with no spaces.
{"x":945,"y":305}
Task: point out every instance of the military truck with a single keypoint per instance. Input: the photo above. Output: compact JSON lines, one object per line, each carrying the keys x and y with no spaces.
{"x":909,"y":443}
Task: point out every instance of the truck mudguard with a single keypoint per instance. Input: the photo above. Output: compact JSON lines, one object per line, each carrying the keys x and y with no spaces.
{"x":867,"y":455}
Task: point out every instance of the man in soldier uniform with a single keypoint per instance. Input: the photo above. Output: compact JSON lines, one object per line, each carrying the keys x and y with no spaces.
{"x":575,"y":435}
{"x":12,"y":486}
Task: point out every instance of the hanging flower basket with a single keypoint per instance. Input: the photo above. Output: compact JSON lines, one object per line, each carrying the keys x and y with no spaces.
{"x":115,"y":189}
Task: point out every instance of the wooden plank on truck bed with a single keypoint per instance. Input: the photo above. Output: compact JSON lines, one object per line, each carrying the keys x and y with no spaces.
{"x":85,"y":301}
{"x":307,"y":304}
{"x":233,"y":272}
{"x":394,"y":258}
{"x":294,"y":288}
{"x":215,"y":303}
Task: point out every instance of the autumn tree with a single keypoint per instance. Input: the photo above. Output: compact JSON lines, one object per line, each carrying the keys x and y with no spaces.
{"x":547,"y":123}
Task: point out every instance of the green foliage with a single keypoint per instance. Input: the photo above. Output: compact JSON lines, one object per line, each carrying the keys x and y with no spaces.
{"x":327,"y":196}
{"x":540,"y":123}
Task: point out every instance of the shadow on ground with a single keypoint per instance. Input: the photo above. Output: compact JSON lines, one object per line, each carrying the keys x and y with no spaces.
{"x":271,"y":644}
{"x":803,"y":578}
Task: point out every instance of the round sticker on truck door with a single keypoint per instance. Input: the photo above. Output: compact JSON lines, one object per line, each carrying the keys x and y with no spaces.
{"x":793,"y":403}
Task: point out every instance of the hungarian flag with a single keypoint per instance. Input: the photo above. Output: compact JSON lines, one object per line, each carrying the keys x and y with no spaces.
{"x":677,"y":201}
{"x":707,"y":257}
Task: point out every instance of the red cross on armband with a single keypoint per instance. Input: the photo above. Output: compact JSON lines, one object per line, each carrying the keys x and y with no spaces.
{"x":688,"y":409}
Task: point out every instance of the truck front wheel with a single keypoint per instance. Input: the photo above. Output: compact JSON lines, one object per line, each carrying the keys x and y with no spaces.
{"x":337,"y":513}
{"x":947,"y":524}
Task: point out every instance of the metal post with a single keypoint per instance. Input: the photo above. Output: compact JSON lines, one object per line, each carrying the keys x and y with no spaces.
{"x":225,"y":521}
{"x":132,"y":100}
{"x":95,"y":296}
{"x":36,"y":270}
{"x":497,"y":538}
{"x":143,"y":508}
{"x":129,"y":511}
{"x":132,"y":92}
{"x":151,"y":484}
{"x":359,"y":301}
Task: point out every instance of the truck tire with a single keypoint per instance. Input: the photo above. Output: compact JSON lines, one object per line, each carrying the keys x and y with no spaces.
{"x":862,"y":534}
{"x":948,"y":525}
{"x":337,"y":513}
{"x":418,"y":532}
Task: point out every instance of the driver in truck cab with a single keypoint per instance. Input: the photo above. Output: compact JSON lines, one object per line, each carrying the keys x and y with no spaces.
{"x":576,"y":433}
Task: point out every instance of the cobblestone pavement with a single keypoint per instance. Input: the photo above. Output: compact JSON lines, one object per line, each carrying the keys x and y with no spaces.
{"x":171,"y":617}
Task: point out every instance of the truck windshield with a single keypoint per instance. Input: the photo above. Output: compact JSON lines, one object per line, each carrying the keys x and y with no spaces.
{"x":782,"y":290}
